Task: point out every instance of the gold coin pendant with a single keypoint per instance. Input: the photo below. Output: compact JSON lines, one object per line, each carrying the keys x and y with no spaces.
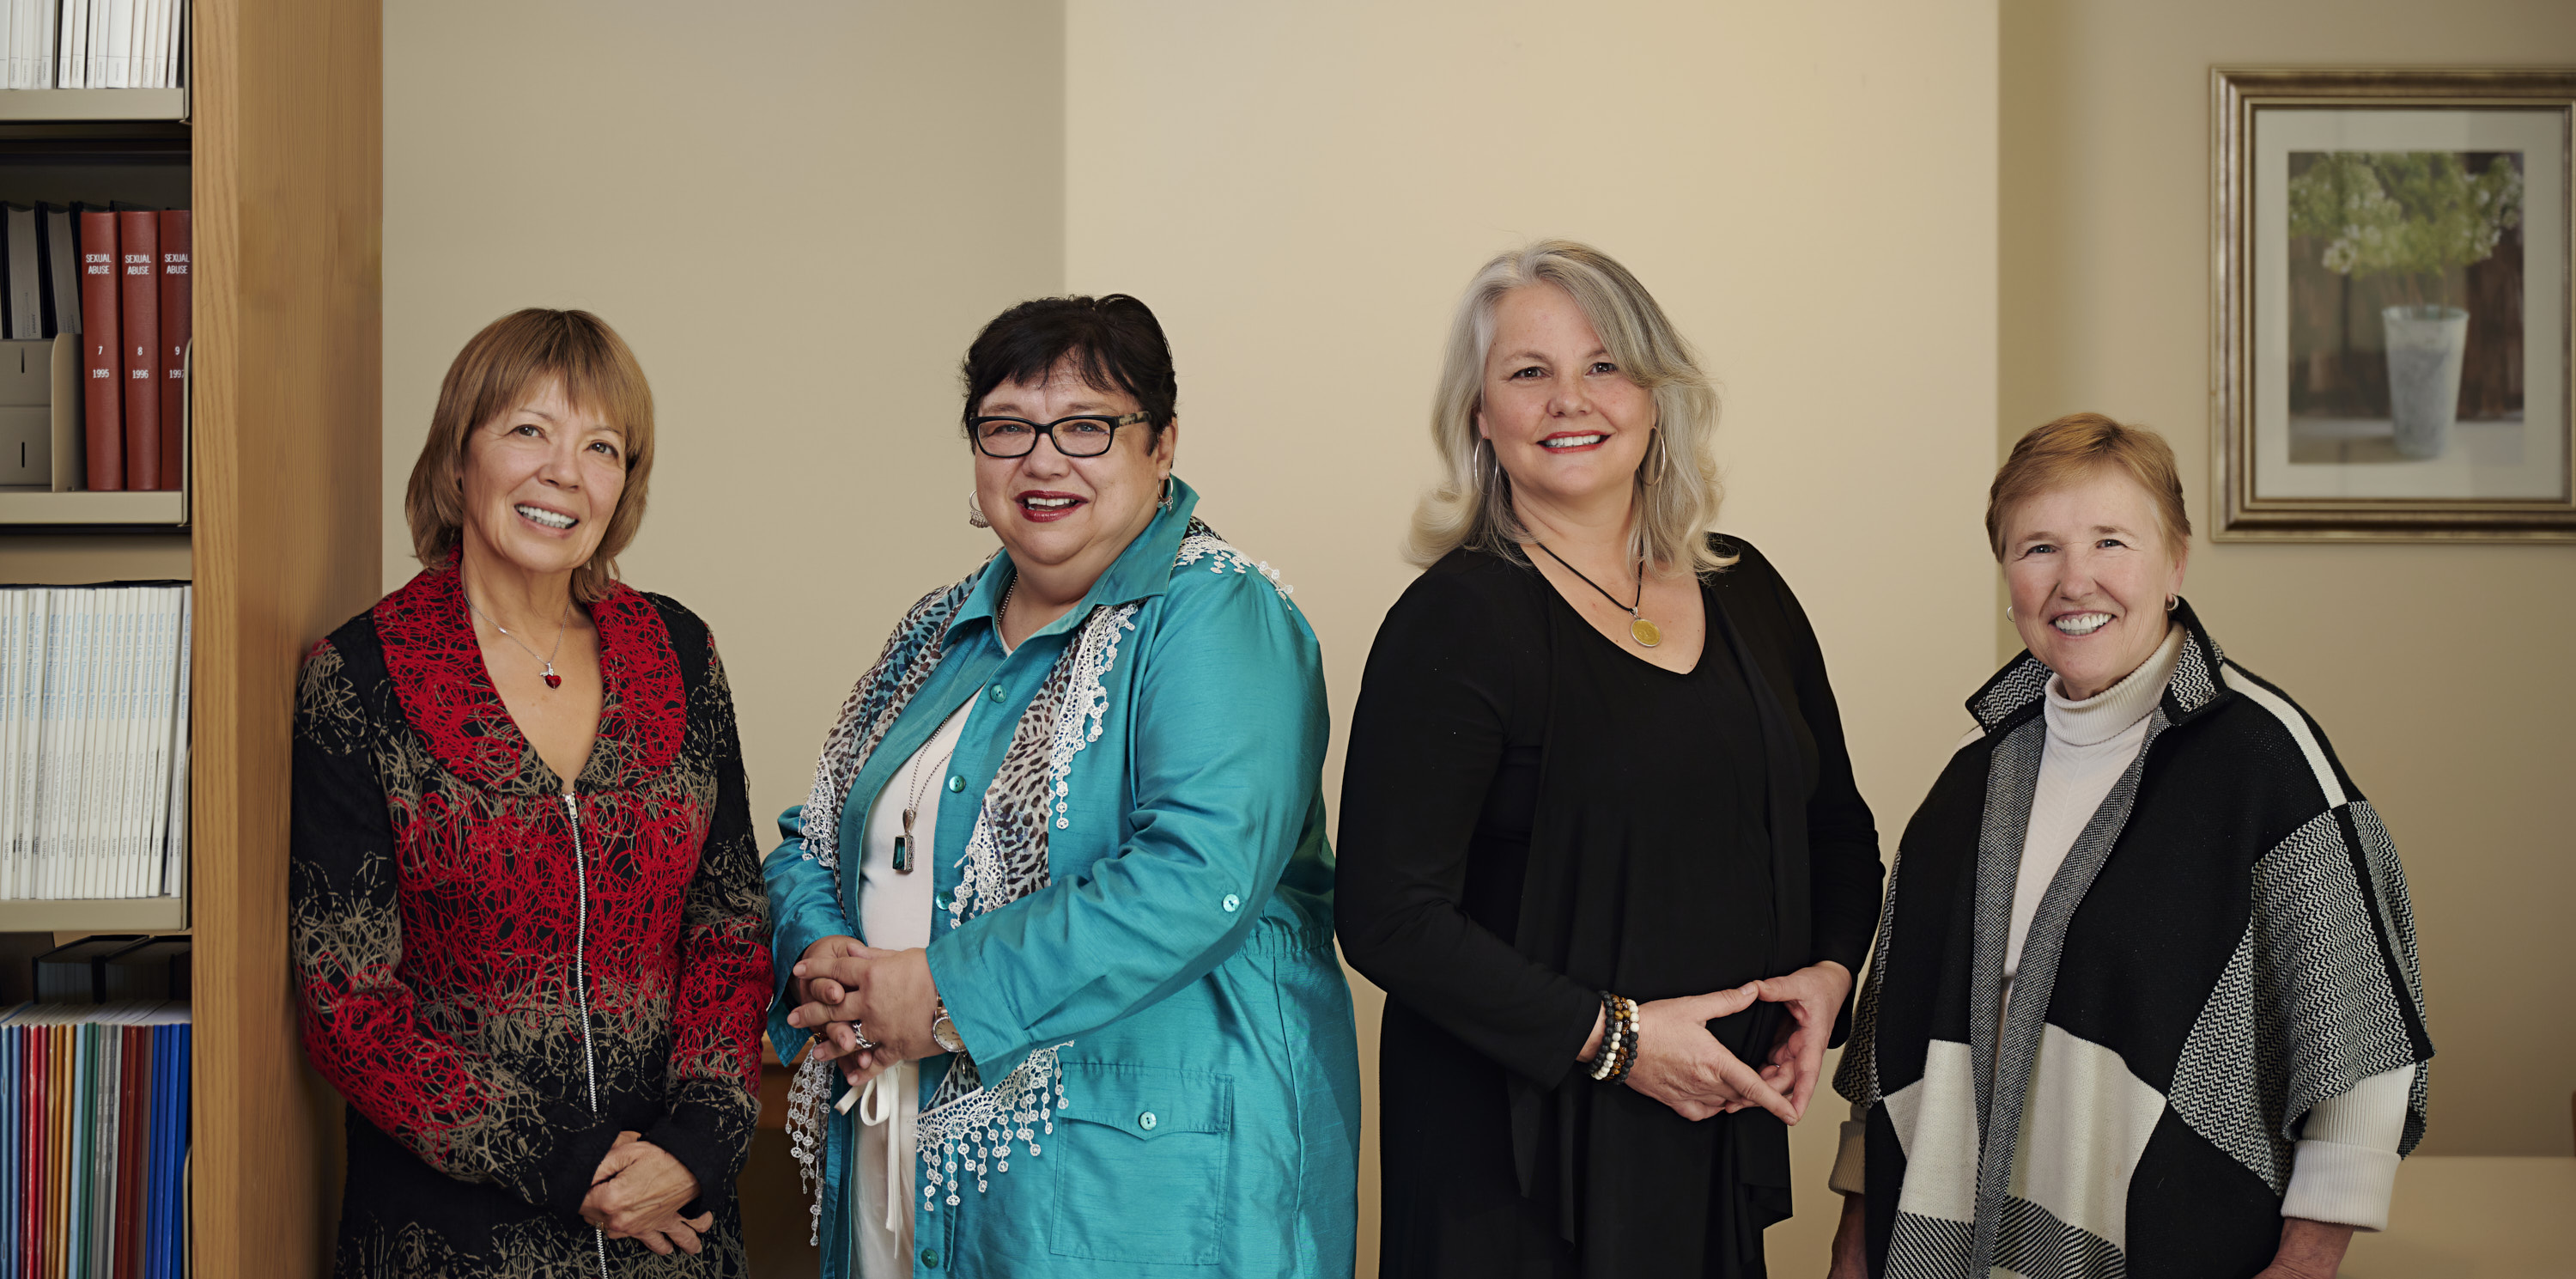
{"x":1646,"y":633}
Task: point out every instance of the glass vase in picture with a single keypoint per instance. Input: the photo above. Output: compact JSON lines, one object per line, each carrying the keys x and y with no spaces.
{"x":2406,"y":300}
{"x":2425,"y":346}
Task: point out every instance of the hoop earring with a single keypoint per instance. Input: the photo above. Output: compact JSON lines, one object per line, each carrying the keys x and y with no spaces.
{"x":975,"y":512}
{"x":1482,"y":459}
{"x":2170,"y":601}
{"x":1658,"y":462}
{"x":2008,"y":612}
{"x":1166,"y":503}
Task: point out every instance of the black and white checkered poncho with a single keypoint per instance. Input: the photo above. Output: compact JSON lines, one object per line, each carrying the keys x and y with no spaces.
{"x":2227,"y":945}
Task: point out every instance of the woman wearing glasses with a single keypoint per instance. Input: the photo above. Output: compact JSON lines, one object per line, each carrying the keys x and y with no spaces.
{"x":1058,"y":914}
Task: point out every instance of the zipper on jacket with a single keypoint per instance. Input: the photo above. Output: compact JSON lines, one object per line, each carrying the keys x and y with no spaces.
{"x":581,"y":985}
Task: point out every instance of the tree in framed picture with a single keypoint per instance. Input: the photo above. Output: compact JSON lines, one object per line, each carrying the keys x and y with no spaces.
{"x":2392,"y":304}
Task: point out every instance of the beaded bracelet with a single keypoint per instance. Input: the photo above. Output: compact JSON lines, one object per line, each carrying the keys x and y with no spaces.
{"x":1618,"y":1039}
{"x":1627,"y":1039}
{"x":1608,"y":1055}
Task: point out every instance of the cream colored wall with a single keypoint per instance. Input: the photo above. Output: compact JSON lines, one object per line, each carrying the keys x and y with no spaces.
{"x":1300,"y":192}
{"x":799,"y":235}
{"x":798,"y":217}
{"x":2441,"y":673}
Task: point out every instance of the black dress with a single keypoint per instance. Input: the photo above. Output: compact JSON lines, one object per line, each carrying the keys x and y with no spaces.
{"x":1531,"y":814}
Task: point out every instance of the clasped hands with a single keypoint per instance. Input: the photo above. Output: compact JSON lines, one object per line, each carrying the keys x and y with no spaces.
{"x":637,"y":1194}
{"x":846,"y":989}
{"x":1682,"y":1065}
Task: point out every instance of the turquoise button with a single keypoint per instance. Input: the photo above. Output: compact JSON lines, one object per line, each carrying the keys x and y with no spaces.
{"x":997,"y":692}
{"x":941,"y":900}
{"x":1147,"y":1121}
{"x":930,"y":1258}
{"x":1232,"y":903}
{"x":956,"y":785}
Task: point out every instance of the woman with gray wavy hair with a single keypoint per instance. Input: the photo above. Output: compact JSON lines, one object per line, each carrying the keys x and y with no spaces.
{"x":1600,"y":841}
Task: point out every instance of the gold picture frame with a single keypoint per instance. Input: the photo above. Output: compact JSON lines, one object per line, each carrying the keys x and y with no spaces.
{"x":2373,"y":377}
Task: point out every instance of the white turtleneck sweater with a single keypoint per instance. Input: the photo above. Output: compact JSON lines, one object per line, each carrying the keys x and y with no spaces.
{"x":2346,"y":1164}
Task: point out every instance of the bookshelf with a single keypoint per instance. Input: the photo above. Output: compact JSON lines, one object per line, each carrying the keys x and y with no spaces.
{"x":93,"y":104}
{"x":127,"y":915}
{"x":27,"y":506}
{"x":277,"y":147}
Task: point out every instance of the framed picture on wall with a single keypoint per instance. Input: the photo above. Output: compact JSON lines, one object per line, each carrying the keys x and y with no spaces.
{"x":2392,"y":306}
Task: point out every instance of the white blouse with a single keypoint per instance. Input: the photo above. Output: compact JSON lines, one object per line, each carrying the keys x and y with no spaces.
{"x":894,"y":914}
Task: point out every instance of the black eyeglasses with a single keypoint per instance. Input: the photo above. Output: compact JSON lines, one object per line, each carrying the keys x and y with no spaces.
{"x":1082,"y":435}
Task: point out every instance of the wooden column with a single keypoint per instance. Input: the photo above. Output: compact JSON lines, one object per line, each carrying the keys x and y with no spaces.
{"x":288,"y":105}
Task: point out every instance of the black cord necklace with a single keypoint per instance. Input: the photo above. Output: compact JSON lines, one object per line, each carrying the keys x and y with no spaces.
{"x":1646,"y":633}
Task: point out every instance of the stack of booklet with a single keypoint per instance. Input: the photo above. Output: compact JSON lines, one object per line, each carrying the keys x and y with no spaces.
{"x":93,"y":740}
{"x":94,"y":44}
{"x":94,"y":1140}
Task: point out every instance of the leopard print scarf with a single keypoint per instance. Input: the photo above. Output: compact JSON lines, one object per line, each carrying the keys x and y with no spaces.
{"x":967,"y":1127}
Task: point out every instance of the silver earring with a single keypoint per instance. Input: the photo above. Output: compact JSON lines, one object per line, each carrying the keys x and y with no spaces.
{"x":2008,"y":612}
{"x":2170,"y":601}
{"x":975,"y":513}
{"x":1658,"y":462}
{"x":1167,"y":492}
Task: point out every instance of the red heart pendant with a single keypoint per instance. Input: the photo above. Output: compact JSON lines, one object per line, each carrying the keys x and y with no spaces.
{"x":553,"y":680}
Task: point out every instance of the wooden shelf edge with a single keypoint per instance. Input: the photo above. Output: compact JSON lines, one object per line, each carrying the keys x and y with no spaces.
{"x":118,"y":915}
{"x":165,"y":509}
{"x":93,"y":104}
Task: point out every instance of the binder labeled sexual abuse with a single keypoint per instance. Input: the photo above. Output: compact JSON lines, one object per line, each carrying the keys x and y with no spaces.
{"x":138,"y":242}
{"x":174,"y":317}
{"x":102,"y":367}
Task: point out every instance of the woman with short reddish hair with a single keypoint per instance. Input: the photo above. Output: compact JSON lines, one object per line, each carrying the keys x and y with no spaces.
{"x":528,"y":928}
{"x":2144,"y":1000}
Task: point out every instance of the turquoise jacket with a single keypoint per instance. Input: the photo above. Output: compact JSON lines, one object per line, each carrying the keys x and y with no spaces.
{"x":1210,"y":1117}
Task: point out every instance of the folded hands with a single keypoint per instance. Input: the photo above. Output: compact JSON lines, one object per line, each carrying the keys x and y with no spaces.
{"x":867,"y":1007}
{"x":1682,"y":1065}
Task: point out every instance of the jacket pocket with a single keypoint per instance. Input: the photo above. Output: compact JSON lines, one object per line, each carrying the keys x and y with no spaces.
{"x":1143,"y":1171}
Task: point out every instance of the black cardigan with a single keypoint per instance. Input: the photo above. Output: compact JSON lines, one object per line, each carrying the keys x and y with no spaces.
{"x":2227,"y":943}
{"x":443,"y":903}
{"x":1457,"y":700}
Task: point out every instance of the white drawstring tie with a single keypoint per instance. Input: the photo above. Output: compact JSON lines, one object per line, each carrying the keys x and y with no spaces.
{"x":876,"y":1109}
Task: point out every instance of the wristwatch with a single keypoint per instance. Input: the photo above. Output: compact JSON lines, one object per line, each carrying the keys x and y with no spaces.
{"x":944,"y":1032}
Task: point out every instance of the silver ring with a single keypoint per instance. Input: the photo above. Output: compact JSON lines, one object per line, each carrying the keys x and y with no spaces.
{"x":862,"y":1036}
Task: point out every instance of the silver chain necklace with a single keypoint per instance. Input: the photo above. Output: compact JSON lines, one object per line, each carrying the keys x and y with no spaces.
{"x":914,"y":792}
{"x":564,"y":624}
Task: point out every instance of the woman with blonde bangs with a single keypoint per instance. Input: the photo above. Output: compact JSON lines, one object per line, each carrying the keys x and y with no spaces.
{"x":1600,"y":840}
{"x":529,"y":934}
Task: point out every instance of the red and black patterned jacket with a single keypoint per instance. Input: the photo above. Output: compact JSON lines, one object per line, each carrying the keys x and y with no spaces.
{"x":451,"y":922}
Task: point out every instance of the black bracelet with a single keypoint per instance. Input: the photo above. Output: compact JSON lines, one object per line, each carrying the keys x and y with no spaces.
{"x":1627,"y":1039}
{"x":1609,"y":1050}
{"x":1618,"y":1039}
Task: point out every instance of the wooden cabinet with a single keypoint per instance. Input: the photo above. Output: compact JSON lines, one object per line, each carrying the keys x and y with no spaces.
{"x":284,"y":146}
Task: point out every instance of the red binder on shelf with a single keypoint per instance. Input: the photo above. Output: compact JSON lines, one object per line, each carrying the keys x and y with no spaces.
{"x":102,"y":369}
{"x":174,"y":341}
{"x":138,"y":244}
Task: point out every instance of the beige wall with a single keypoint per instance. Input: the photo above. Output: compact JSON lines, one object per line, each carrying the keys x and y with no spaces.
{"x":2441,"y":673}
{"x":799,"y":236}
{"x":1301,"y":191}
{"x":797,"y":221}
{"x":1300,"y":207}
